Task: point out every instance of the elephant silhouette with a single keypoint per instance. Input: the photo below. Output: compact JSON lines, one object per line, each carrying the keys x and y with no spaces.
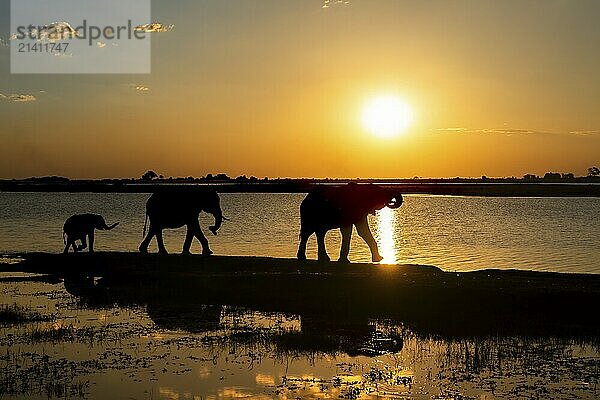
{"x":332,"y":207}
{"x":174,"y":209}
{"x":81,"y":227}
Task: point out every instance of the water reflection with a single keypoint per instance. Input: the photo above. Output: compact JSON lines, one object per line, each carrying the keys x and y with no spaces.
{"x":212,"y":338}
{"x":366,"y":352}
{"x":386,"y":229}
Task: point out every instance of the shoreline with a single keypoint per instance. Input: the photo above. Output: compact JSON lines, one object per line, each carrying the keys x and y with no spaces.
{"x":236,"y":265}
{"x":33,"y":260}
{"x":10,"y":259}
{"x":427,"y":299}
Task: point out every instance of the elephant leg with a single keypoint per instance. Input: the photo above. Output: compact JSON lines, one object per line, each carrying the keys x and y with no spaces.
{"x":345,"y":249}
{"x":362,"y":227}
{"x":302,"y":246}
{"x":91,"y":236}
{"x":83,"y":243}
{"x":189,"y":235}
{"x":161,"y":243}
{"x":321,"y":246}
{"x":146,"y":242}
{"x":202,"y":239}
{"x":69,"y":244}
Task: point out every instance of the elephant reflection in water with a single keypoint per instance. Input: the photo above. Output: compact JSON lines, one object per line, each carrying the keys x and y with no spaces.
{"x":81,"y":227}
{"x":331,"y":207}
{"x":181,"y":308}
{"x":176,"y":209}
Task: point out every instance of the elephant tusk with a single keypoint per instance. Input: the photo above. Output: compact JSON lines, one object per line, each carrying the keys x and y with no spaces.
{"x":394,"y":204}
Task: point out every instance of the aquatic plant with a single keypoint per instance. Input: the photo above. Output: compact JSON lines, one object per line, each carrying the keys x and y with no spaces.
{"x":16,"y":314}
{"x":59,"y":333}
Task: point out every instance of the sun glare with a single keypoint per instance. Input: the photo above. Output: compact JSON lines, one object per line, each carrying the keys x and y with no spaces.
{"x":386,"y":116}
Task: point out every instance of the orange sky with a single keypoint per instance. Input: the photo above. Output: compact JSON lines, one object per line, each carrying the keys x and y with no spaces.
{"x":276,"y":88}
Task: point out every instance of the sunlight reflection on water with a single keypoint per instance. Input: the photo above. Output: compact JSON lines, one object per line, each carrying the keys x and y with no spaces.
{"x":385,"y":235}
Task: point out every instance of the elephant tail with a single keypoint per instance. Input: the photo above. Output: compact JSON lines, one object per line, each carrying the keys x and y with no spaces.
{"x":104,"y":227}
{"x":145,"y":224}
{"x":64,"y":238}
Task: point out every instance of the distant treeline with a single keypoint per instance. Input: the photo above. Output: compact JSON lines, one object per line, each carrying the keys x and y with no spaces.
{"x":551,"y":184}
{"x":152,"y":177}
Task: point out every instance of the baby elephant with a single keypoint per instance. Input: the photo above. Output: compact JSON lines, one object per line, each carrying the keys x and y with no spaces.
{"x":77,"y":227}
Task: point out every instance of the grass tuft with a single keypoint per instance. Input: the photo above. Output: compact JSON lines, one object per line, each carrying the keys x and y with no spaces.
{"x":64,"y":333}
{"x":15,"y":314}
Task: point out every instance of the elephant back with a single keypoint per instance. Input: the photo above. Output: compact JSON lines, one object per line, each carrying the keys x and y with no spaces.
{"x":179,"y":202}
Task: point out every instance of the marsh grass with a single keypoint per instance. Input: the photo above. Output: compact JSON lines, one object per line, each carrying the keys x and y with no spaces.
{"x":14,"y":314}
{"x":66,"y":390}
{"x":53,"y":334}
{"x":66,"y":333}
{"x":29,"y":374}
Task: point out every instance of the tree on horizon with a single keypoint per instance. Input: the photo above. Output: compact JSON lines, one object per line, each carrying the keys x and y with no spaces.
{"x":149,"y":175}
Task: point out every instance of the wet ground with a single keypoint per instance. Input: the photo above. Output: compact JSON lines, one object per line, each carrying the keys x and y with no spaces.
{"x":89,"y":335}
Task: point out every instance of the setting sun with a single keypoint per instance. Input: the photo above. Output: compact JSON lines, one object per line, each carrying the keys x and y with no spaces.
{"x":386,"y":116}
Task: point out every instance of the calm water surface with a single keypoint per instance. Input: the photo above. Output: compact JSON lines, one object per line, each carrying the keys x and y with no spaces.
{"x":107,"y":337}
{"x":106,"y":341}
{"x":453,"y":233}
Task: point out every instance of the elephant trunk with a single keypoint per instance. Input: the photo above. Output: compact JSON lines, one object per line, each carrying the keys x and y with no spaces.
{"x":108,"y":228}
{"x":218,"y":221}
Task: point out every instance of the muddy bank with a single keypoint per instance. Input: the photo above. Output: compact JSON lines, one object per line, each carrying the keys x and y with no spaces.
{"x":430,"y":301}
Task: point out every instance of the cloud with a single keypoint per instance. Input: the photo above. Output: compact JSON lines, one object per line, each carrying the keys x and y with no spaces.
{"x":452,"y":130}
{"x":63,"y":55}
{"x":496,"y":131}
{"x":586,"y":133}
{"x":154,"y":27}
{"x":56,"y":31}
{"x":514,"y":132}
{"x":18,"y":98}
{"x":329,"y":3}
{"x":139,"y":88}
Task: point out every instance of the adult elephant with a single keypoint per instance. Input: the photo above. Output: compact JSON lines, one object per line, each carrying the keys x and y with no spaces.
{"x":331,"y":207}
{"x":174,"y":209}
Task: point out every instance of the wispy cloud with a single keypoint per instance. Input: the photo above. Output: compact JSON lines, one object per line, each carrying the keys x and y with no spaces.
{"x":17,"y":98}
{"x":496,"y":131}
{"x":452,"y":130}
{"x":154,"y":27}
{"x":513,"y":132}
{"x":56,"y":31}
{"x":329,"y":3}
{"x":586,"y":133}
{"x":139,"y":88}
